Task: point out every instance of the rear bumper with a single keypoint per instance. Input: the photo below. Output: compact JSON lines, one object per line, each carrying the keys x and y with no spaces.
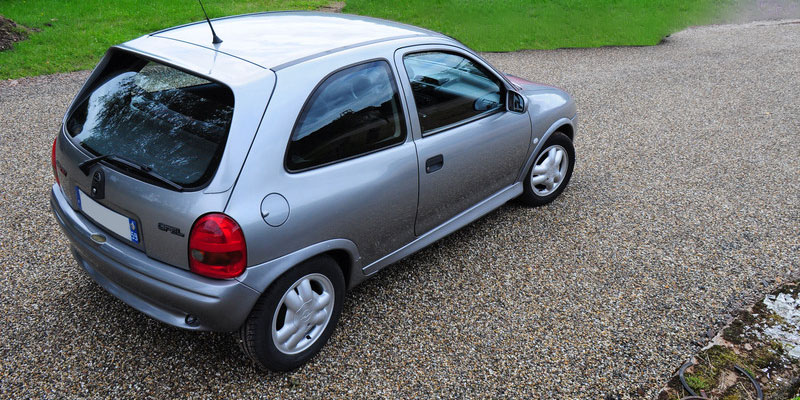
{"x":164,"y":292}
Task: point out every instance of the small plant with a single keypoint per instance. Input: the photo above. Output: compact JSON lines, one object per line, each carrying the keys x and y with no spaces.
{"x":698,"y":382}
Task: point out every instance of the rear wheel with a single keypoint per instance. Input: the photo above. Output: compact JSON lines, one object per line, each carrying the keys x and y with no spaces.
{"x":295,"y":316}
{"x":550,"y":172}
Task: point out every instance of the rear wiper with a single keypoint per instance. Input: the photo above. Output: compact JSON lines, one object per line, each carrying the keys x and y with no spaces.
{"x":86,"y":165}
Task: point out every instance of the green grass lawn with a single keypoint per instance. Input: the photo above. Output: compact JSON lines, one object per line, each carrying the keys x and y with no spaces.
{"x":75,"y":34}
{"x":509,"y":25}
{"x":79,"y":32}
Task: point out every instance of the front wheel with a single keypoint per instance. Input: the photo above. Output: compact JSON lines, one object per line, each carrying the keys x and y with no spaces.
{"x":550,"y":172}
{"x":295,"y":316}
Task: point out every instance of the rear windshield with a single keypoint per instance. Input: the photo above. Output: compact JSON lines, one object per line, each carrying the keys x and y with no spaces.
{"x":159,"y":117}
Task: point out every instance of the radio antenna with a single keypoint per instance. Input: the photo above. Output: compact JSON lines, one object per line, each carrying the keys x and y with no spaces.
{"x":216,"y":39}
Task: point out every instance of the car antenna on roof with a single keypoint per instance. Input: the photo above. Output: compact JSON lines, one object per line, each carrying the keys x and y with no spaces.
{"x":216,"y":39}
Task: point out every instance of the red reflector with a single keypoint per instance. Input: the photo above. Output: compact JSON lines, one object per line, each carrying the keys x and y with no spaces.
{"x":53,"y":160}
{"x":216,"y":247}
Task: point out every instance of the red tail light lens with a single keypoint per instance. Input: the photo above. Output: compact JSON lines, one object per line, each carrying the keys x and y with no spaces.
{"x":53,"y":159}
{"x":216,"y":247}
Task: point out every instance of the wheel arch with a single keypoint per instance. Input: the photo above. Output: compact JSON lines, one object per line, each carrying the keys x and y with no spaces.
{"x":344,"y":252}
{"x":567,"y":129}
{"x":346,"y":263}
{"x":563,"y":125}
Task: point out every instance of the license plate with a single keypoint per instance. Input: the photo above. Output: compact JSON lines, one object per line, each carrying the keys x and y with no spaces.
{"x":109,"y":219}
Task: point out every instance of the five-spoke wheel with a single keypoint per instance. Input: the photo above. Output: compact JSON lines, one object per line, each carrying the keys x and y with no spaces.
{"x":303,"y":313}
{"x":295,"y":316}
{"x":550,"y":172}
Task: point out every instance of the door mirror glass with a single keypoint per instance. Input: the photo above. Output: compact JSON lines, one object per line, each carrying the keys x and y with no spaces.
{"x":516,"y":102}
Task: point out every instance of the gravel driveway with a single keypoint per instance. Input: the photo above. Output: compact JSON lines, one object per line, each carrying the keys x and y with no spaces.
{"x":685,"y":202}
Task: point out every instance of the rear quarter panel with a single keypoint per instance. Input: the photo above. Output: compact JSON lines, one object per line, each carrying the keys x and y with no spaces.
{"x":370,"y":200}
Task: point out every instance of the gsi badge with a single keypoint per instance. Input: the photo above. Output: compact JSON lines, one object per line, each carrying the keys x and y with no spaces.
{"x":171,"y":229}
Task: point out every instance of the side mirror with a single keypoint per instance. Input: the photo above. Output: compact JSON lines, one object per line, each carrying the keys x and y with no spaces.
{"x":515,"y":102}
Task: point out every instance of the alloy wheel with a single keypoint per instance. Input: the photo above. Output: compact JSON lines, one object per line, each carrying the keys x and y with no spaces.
{"x":303,"y":313}
{"x":549,"y":170}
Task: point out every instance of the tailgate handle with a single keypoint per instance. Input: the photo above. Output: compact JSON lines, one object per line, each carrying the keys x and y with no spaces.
{"x":434,"y":164}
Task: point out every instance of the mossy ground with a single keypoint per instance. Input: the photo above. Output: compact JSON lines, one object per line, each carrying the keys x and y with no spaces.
{"x":743,"y":343}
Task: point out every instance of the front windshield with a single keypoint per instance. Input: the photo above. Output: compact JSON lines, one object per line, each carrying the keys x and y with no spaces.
{"x":157,"y":116}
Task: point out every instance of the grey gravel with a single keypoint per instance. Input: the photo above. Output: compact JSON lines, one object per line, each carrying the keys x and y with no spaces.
{"x":685,"y":204}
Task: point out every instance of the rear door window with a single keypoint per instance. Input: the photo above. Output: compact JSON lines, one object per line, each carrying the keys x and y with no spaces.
{"x":169,"y":121}
{"x":352,"y":112}
{"x":449,"y":88}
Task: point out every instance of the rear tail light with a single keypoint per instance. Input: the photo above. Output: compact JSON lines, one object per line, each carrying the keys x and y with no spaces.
{"x":53,"y":159}
{"x":216,"y":247}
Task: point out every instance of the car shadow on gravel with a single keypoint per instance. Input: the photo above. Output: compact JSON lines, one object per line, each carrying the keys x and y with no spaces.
{"x":126,"y":343}
{"x":101,"y":319}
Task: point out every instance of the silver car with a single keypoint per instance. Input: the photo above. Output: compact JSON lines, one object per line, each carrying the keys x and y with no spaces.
{"x":245,"y":182}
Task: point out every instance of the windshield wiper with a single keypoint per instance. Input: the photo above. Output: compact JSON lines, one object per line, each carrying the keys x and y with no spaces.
{"x":86,"y":165}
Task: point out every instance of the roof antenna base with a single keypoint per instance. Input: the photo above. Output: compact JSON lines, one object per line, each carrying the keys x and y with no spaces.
{"x":215,"y":39}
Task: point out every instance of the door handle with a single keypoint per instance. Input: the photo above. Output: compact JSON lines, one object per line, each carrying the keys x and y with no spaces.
{"x":434,"y":164}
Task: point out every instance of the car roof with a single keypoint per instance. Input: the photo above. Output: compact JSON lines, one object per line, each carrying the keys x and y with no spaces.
{"x":275,"y":40}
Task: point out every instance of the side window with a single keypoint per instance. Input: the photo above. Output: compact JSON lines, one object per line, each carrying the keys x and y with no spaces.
{"x":354,"y":111}
{"x":449,"y":88}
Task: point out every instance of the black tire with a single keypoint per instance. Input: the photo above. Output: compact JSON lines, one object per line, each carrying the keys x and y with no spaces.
{"x":256,"y":334}
{"x":538,"y":195}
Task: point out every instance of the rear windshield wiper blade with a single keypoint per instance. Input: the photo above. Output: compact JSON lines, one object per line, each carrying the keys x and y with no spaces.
{"x":86,"y":165}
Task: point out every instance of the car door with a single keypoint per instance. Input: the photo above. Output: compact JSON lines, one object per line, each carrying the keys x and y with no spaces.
{"x":469,"y":146}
